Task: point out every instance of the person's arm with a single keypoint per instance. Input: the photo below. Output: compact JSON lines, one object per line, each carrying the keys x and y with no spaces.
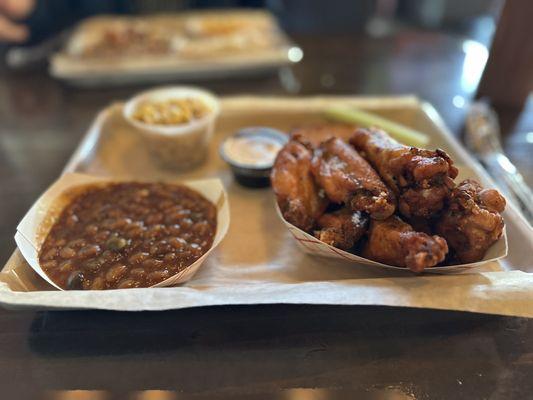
{"x":11,"y":11}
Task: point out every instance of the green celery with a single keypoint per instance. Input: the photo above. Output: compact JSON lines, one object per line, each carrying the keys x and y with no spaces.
{"x":365,"y":119}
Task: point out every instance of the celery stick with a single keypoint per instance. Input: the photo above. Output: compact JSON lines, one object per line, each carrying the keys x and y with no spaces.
{"x":400,"y":132}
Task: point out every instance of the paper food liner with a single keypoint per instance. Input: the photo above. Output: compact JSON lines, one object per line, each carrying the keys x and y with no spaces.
{"x":311,"y":245}
{"x":32,"y":230}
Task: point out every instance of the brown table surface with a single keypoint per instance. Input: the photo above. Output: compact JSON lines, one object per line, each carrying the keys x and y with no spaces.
{"x":300,"y":352}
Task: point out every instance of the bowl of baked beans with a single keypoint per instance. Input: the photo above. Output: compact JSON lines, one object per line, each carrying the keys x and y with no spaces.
{"x":176,"y":124}
{"x":103,"y":234}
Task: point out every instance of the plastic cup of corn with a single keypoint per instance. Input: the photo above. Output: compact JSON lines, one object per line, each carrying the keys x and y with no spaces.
{"x":175,"y":124}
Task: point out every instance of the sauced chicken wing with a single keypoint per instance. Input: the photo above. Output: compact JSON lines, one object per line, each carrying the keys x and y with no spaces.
{"x":394,"y":242}
{"x":346,"y":177}
{"x":422,"y":179}
{"x":318,"y":133}
{"x":472,"y":220}
{"x":342,"y":228}
{"x":296,"y":192}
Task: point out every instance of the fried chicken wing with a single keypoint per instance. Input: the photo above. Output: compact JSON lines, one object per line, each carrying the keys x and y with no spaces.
{"x":394,"y":242}
{"x":421,"y":179}
{"x":296,"y":192}
{"x":346,"y":177}
{"x":318,"y":133}
{"x":472,"y":220}
{"x":342,"y":228}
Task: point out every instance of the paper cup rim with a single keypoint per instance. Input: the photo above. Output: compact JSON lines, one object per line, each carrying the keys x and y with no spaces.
{"x":172,"y":92}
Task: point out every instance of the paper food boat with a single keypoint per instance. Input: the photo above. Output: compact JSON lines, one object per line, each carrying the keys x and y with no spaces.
{"x":32,"y":230}
{"x":311,"y":245}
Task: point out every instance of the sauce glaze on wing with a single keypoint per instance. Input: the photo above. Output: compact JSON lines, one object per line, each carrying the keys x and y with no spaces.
{"x":394,"y":242}
{"x":472,"y":222}
{"x":342,"y":228}
{"x":346,"y":177}
{"x":422,"y":179}
{"x":320,"y":132}
{"x":296,"y":192}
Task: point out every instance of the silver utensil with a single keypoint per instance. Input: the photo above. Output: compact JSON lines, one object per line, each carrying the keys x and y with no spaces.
{"x":483,"y":137}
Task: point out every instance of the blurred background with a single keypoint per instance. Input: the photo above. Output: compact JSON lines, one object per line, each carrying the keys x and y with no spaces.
{"x":376,"y":17}
{"x":44,"y":18}
{"x":387,"y":46}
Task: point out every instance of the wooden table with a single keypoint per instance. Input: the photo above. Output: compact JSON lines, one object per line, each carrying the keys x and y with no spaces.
{"x":286,"y":352}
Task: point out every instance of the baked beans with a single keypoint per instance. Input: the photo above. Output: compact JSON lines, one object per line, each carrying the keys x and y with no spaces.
{"x":127,"y":235}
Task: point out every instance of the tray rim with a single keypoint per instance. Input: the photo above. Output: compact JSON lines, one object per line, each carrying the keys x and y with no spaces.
{"x":232,"y":104}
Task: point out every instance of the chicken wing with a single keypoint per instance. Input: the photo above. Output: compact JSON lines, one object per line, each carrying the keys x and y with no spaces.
{"x":296,"y":192}
{"x":472,"y":220}
{"x":346,"y":177}
{"x":342,"y":228}
{"x":394,"y":242}
{"x":318,"y":133}
{"x":421,"y":179}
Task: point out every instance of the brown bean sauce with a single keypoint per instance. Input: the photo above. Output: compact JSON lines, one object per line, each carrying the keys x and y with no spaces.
{"x":127,"y":235}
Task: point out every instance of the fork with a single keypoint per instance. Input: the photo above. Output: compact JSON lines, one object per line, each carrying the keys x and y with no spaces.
{"x":483,"y":137}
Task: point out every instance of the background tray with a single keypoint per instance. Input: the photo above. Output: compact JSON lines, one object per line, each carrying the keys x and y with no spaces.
{"x":138,"y":69}
{"x":258,"y":262}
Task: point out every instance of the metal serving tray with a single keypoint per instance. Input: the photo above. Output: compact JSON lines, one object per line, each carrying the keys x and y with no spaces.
{"x":258,"y":262}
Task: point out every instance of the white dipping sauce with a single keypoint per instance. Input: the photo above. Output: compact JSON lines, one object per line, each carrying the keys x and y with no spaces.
{"x":257,"y":151}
